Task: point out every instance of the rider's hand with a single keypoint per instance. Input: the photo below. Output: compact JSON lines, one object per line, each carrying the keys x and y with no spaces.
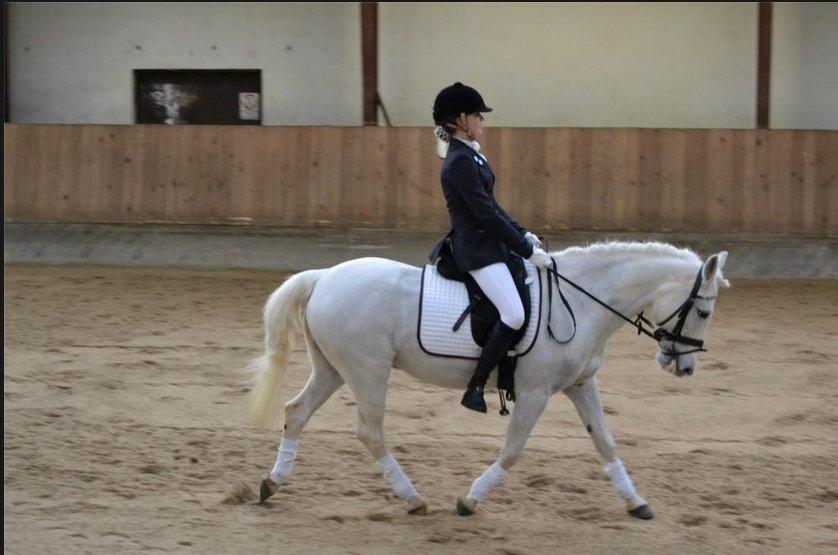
{"x":532,"y":239}
{"x":541,"y":258}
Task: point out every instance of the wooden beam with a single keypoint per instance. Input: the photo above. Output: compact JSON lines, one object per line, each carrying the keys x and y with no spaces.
{"x":6,"y":62}
{"x":369,"y":57}
{"x":384,"y":111}
{"x":764,"y":63}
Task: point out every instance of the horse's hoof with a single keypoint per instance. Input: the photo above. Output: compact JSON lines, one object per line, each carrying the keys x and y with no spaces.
{"x":642,"y":512}
{"x":417,"y":506}
{"x":266,"y":489}
{"x":466,"y":506}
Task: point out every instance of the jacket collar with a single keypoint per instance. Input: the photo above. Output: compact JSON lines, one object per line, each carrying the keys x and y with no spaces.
{"x":456,"y":144}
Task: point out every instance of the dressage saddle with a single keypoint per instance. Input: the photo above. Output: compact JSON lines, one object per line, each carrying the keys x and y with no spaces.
{"x":483,"y":313}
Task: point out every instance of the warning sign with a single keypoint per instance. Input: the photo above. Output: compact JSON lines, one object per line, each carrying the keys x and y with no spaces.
{"x":248,"y":106}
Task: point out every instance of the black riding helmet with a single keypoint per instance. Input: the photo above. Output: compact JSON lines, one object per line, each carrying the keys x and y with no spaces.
{"x":457,"y":99}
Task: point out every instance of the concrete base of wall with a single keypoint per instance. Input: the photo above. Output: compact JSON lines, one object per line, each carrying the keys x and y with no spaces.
{"x":290,"y":250}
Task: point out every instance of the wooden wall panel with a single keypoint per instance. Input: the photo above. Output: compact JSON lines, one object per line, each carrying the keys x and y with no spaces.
{"x":726,"y":181}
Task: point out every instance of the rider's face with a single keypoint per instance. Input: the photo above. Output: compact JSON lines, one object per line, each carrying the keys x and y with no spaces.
{"x":474,"y":124}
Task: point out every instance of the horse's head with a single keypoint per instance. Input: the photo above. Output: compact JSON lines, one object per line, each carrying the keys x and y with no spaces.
{"x":683,"y":312}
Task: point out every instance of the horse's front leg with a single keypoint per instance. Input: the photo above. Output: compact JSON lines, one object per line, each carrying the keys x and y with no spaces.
{"x":528,"y":407}
{"x":585,"y":397}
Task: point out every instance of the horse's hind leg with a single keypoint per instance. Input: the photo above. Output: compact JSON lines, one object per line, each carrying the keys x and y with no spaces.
{"x":322,"y":383}
{"x":585,"y":397}
{"x":370,"y":390}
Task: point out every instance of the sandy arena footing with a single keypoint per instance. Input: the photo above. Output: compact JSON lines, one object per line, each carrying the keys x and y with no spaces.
{"x":126,"y":429}
{"x":126,"y":413}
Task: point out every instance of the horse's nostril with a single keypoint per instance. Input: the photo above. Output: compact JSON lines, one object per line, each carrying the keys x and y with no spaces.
{"x":688,"y":371}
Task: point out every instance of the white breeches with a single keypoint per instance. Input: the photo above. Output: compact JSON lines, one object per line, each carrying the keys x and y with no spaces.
{"x":496,"y":282}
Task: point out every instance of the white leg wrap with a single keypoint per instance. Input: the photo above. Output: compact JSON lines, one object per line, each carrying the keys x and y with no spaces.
{"x":285,"y":456}
{"x":620,"y":479}
{"x":486,"y":481}
{"x":395,"y":475}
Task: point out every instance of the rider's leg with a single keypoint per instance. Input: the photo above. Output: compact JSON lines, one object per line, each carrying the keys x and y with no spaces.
{"x":585,"y":397}
{"x":496,"y":283}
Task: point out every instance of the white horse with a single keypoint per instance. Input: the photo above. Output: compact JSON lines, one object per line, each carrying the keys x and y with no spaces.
{"x":360,"y":321}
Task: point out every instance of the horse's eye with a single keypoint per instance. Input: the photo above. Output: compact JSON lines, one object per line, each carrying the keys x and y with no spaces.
{"x":703,"y":314}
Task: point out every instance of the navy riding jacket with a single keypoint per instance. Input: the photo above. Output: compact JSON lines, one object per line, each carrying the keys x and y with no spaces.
{"x":482,"y":232}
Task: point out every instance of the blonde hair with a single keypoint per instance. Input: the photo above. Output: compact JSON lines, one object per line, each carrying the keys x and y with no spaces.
{"x":444,"y":133}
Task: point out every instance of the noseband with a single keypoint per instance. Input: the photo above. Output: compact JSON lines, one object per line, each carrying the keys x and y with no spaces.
{"x":659,"y":333}
{"x":675,"y":336}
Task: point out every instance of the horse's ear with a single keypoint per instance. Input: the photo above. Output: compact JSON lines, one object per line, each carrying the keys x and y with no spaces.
{"x":710,"y":267}
{"x":713,"y":268}
{"x":722,"y":259}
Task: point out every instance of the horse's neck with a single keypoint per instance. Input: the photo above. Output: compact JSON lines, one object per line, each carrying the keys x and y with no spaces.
{"x":631,"y":282}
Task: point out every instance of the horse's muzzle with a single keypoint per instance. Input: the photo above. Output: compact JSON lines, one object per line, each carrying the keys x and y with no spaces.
{"x":679,"y":365}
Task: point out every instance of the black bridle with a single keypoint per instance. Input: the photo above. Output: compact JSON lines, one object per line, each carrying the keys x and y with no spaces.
{"x":681,"y":312}
{"x":659,"y":333}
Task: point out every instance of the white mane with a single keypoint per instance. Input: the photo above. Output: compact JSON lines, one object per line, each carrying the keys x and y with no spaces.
{"x":621,"y":248}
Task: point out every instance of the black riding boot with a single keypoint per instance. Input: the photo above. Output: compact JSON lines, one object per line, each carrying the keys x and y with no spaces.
{"x":494,"y":350}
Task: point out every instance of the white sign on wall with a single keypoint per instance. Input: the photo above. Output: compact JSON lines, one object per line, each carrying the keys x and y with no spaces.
{"x":248,"y":106}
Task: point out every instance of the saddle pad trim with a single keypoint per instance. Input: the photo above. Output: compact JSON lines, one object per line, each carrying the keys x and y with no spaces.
{"x":538,"y":309}
{"x":446,"y":355}
{"x":419,"y":322}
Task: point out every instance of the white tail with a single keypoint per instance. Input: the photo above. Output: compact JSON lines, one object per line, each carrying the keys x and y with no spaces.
{"x":284,"y":315}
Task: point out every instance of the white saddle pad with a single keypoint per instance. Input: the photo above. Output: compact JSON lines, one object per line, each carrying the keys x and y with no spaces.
{"x":442,"y":301}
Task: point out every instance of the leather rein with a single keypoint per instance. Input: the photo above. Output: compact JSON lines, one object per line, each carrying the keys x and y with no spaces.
{"x":658,"y":333}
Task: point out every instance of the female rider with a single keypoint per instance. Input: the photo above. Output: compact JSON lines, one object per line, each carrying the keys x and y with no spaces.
{"x":483,"y":233}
